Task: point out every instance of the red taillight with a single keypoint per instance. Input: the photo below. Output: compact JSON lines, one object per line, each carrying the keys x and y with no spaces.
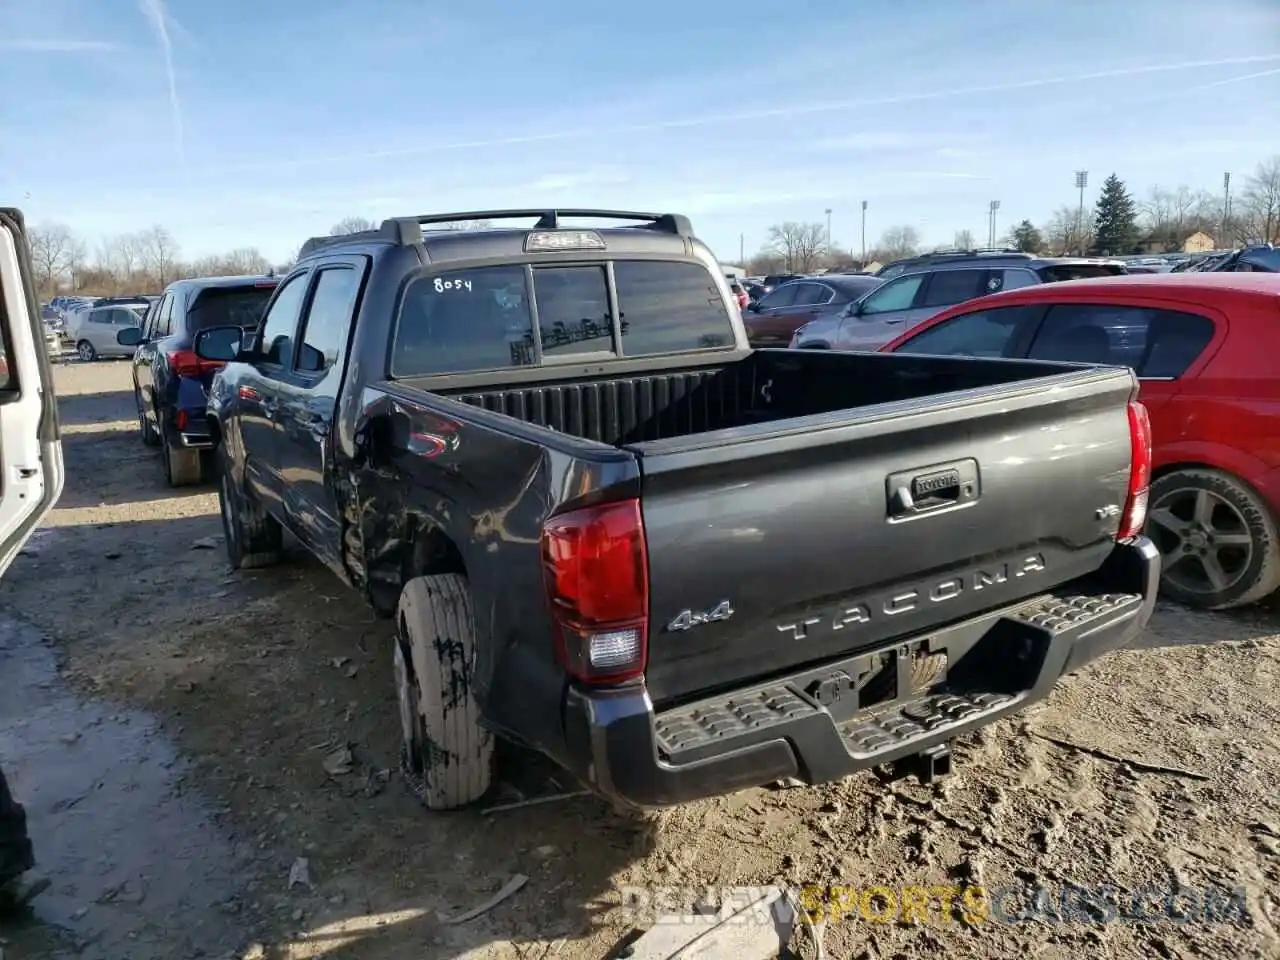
{"x":186,"y":363}
{"x":596,"y":573}
{"x":1134,"y":517}
{"x":182,"y":419}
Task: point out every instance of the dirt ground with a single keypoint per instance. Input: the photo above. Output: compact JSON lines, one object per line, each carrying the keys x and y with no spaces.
{"x":1151,"y":770}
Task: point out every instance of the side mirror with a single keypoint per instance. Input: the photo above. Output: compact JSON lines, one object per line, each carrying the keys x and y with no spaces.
{"x":221,"y":344}
{"x":129,"y":337}
{"x":753,"y":306}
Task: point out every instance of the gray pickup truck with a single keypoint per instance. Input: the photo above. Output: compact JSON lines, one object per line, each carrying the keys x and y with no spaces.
{"x":610,"y":530}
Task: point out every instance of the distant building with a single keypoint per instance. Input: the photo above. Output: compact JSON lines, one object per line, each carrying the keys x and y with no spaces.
{"x":1198,"y":242}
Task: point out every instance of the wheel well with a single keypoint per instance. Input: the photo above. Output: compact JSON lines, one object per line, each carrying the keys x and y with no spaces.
{"x":429,"y":551}
{"x":1185,"y":465}
{"x":433,"y":552}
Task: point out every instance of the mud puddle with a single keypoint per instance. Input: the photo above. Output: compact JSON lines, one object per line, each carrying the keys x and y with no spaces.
{"x":137,"y":865}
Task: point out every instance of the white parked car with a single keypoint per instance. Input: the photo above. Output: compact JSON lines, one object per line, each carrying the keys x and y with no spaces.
{"x":95,"y":334}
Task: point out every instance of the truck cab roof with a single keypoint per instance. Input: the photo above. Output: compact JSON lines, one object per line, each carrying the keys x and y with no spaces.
{"x":441,"y":240}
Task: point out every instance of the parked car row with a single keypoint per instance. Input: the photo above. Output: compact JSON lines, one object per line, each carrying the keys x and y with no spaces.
{"x":914,"y":291}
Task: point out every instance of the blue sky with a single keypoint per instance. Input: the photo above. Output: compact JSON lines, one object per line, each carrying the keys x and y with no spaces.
{"x":260,"y":124}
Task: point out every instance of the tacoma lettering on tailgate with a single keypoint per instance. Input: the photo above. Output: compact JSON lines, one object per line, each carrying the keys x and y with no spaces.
{"x":908,"y":599}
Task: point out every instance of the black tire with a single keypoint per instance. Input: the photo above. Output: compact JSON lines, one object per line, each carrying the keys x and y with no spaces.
{"x":86,"y":352}
{"x":254,"y":537}
{"x":1218,"y":541}
{"x":449,"y":756}
{"x":182,"y":466}
{"x":150,"y":436}
{"x":15,"y":845}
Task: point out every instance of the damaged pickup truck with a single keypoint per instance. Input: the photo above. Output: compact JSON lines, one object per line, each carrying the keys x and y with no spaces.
{"x":609,"y":530}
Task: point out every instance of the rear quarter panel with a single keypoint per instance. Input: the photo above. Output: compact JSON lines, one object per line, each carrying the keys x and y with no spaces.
{"x":1226,"y":412}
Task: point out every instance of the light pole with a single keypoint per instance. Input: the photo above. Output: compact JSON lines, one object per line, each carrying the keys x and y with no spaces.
{"x":995,"y":207}
{"x":1226,"y":209}
{"x":864,"y":234}
{"x":828,"y":228}
{"x":1082,"y":181}
{"x":742,"y":250}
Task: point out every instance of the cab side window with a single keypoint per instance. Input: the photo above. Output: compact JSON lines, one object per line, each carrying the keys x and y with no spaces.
{"x":281,"y":321}
{"x":324,"y":334}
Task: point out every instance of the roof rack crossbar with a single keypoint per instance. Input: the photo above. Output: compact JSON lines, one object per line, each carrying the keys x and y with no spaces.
{"x":549,"y":219}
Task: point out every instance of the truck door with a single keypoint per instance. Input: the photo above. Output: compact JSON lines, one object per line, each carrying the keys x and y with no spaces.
{"x":259,"y":395}
{"x":308,"y":402}
{"x":31,"y":472}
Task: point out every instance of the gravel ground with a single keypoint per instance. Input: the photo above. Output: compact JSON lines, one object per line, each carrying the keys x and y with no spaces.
{"x":1152,"y":770}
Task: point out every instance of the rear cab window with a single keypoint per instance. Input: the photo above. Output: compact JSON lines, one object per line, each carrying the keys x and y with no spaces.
{"x":483,"y":318}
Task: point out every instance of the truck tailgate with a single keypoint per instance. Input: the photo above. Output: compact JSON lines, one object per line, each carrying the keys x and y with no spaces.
{"x":788,"y":543}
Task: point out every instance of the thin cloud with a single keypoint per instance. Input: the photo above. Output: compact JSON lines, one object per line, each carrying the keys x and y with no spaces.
{"x":795,"y":109}
{"x":158,"y":17}
{"x":58,"y":46}
{"x":866,"y":142}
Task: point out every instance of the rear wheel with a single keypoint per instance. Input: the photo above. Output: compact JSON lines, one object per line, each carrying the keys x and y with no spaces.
{"x":254,"y":537}
{"x":447,"y":757}
{"x":1218,"y":542}
{"x":86,"y":352}
{"x":149,"y":435}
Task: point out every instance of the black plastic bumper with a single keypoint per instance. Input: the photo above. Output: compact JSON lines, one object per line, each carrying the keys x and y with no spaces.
{"x":816,"y":725}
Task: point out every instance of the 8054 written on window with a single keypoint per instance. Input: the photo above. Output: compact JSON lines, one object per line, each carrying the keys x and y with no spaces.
{"x":482,"y":318}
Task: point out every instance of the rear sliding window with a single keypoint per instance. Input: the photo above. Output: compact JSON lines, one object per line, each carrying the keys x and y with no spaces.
{"x":228,"y":306}
{"x":482,"y":318}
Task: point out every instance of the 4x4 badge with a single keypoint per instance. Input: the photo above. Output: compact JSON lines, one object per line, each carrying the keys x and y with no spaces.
{"x":688,"y":619}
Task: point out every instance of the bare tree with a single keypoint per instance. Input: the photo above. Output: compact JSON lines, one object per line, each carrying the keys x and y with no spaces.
{"x":964,"y":240}
{"x":1260,"y":202}
{"x":800,"y":245}
{"x":463,"y":225}
{"x":1066,"y":232}
{"x":158,"y":253}
{"x":351,"y":225}
{"x":901,"y":241}
{"x":55,"y":253}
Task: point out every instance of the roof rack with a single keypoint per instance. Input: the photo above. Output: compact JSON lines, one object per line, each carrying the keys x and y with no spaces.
{"x":549,"y":219}
{"x":408,"y":230}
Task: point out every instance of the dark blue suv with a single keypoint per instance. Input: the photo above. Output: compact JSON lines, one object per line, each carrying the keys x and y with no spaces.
{"x":171,"y":383}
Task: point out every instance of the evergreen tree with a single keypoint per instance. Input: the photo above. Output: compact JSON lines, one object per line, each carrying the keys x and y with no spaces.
{"x":1115,"y":220}
{"x":1026,"y":237}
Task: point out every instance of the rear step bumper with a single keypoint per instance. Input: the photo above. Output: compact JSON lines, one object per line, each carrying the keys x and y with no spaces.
{"x":876,"y":708}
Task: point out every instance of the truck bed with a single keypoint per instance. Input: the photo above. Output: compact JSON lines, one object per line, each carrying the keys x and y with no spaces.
{"x":768,"y":385}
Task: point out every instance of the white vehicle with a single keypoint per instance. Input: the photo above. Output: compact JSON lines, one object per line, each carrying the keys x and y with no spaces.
{"x":30,"y":449}
{"x":98,"y":328}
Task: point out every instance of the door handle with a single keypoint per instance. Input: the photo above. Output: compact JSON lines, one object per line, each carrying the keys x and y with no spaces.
{"x":921,"y":491}
{"x":899,"y":320}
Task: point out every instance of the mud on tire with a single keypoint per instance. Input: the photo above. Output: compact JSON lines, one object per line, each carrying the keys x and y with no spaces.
{"x":254,"y":537}
{"x":448,"y":755}
{"x":1235,"y":514}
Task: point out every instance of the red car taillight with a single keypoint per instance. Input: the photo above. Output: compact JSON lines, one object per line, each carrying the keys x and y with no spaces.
{"x":596,"y":573}
{"x":186,"y":363}
{"x":1134,"y":517}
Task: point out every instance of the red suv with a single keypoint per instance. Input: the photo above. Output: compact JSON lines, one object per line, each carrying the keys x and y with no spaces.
{"x":1205,"y":347}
